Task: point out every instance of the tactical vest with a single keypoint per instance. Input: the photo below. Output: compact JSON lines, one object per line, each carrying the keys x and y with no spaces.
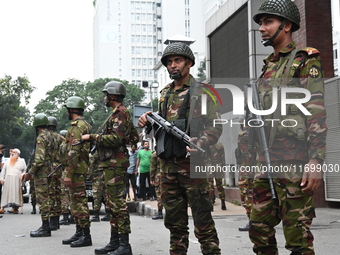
{"x":297,"y":128}
{"x":105,"y":152}
{"x":174,"y":147}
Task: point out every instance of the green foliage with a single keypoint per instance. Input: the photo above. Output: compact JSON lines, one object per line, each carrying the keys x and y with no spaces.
{"x":14,"y":117}
{"x":95,"y":110}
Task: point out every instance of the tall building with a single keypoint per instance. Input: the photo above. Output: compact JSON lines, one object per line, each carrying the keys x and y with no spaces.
{"x":129,"y":37}
{"x":126,"y":35}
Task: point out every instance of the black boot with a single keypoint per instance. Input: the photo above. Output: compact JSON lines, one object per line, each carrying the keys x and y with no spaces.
{"x":106,"y":217}
{"x":111,"y":246}
{"x":64,"y":220}
{"x":245,"y":228}
{"x":223,"y":207}
{"x":95,"y":218}
{"x":71,"y":220}
{"x":159,"y":216}
{"x":84,"y":240}
{"x":124,"y":247}
{"x":75,"y":237}
{"x":54,"y":222}
{"x":43,"y":231}
{"x":34,"y":211}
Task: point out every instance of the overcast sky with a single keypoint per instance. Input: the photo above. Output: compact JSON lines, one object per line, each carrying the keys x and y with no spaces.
{"x":47,"y":40}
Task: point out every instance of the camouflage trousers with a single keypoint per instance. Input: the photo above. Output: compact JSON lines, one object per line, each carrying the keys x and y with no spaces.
{"x":98,"y":189}
{"x":65,"y":199}
{"x":219,"y":187}
{"x":158,"y":191}
{"x":246,"y":187}
{"x":293,"y":207}
{"x":78,"y":201}
{"x":55,"y":190}
{"x":115,"y":200}
{"x":42,"y":186}
{"x":179,"y":190}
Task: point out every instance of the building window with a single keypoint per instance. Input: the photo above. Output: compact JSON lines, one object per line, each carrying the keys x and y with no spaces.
{"x":143,"y":38}
{"x":133,"y":61}
{"x":138,"y":62}
{"x":132,"y":38}
{"x":145,"y":73}
{"x":133,"y":50}
{"x":138,"y":72}
{"x":144,"y":61}
{"x":137,"y":17}
{"x":133,"y":72}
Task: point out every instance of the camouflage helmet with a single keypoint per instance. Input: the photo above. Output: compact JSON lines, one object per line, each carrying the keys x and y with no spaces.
{"x":63,"y":132}
{"x":178,"y":48}
{"x":283,"y":8}
{"x":52,"y":121}
{"x":115,"y":88}
{"x":75,"y":102}
{"x":40,"y":119}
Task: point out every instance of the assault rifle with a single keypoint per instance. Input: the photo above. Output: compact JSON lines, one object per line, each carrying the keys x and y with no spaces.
{"x":30,"y":161}
{"x":93,"y":148}
{"x":161,"y":127}
{"x":258,"y":129}
{"x":55,"y":170}
{"x":100,"y":130}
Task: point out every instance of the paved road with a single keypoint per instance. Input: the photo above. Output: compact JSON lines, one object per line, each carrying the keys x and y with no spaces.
{"x":149,"y":237}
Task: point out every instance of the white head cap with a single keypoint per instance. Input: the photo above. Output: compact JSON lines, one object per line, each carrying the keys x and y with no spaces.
{"x":17,"y":150}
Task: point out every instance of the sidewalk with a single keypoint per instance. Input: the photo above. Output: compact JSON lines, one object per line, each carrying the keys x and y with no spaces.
{"x":149,"y":208}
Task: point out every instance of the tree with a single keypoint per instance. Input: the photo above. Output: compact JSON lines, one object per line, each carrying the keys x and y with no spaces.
{"x":95,"y":110}
{"x":14,"y":117}
{"x":201,"y":71}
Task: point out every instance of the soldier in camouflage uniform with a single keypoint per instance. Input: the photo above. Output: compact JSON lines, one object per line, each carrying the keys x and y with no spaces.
{"x":41,"y":167}
{"x":155,"y":180}
{"x":76,"y":170}
{"x":64,"y":195}
{"x":114,"y":160}
{"x":245,"y":181}
{"x":178,"y":188}
{"x":218,"y":159}
{"x":55,"y":182}
{"x":97,"y":177}
{"x":299,"y":149}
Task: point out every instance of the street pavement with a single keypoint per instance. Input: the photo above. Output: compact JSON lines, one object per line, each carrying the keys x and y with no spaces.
{"x":150,"y":237}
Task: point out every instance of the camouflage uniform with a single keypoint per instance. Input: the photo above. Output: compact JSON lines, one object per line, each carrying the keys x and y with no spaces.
{"x":41,"y":167}
{"x":55,"y":184}
{"x":155,"y":176}
{"x":246,"y":177}
{"x":97,"y":176}
{"x":293,"y":207}
{"x":76,"y":169}
{"x":217,"y":158}
{"x":113,"y":143}
{"x":178,"y":189}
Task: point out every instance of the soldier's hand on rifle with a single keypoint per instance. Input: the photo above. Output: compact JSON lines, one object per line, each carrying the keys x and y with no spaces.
{"x":27,"y":177}
{"x":67,"y":181}
{"x":312,"y":176}
{"x":198,"y":143}
{"x":142,"y":121}
{"x":85,"y":137}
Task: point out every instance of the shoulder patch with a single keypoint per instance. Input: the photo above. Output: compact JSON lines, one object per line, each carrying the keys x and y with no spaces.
{"x":310,"y":50}
{"x":161,"y":99}
{"x":314,"y":71}
{"x":74,"y":123}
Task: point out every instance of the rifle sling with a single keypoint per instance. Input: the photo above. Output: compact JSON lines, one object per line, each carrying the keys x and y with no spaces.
{"x":283,"y":83}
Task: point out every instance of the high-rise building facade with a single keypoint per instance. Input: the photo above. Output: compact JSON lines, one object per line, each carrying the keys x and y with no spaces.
{"x":126,"y":35}
{"x":129,"y":37}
